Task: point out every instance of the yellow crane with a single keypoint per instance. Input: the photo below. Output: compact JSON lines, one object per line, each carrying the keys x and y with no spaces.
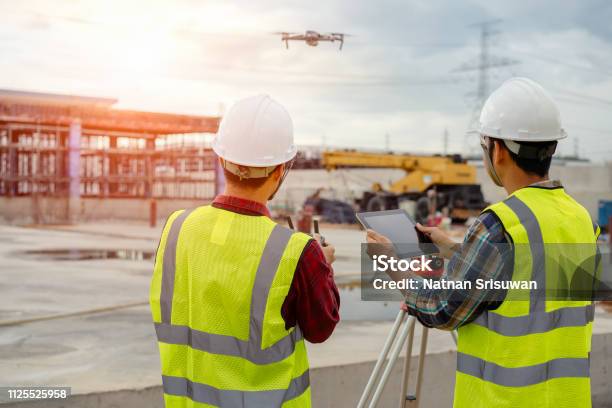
{"x":452,"y":180}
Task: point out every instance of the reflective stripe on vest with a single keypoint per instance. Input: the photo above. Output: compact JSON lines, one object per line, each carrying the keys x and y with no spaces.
{"x":536,"y":243}
{"x":522,"y":376}
{"x":226,"y":345}
{"x":537,"y":321}
{"x":206,"y":394}
{"x":169,"y":266}
{"x":250,"y":350}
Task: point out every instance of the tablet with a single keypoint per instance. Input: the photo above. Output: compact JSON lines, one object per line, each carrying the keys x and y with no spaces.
{"x":400,"y":229}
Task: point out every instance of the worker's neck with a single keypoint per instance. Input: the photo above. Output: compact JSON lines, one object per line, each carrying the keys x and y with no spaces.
{"x":519,"y":179}
{"x":259,"y":195}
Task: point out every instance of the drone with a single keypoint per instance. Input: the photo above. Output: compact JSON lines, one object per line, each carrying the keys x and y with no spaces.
{"x":312,"y":38}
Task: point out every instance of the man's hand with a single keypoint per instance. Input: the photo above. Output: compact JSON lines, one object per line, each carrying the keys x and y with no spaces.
{"x":382,"y":245}
{"x":444,"y":243}
{"x":329,"y":251}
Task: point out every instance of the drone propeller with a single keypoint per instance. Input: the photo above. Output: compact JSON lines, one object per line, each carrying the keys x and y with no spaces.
{"x":282,"y":33}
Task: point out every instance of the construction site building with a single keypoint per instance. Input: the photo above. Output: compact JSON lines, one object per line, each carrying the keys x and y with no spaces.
{"x":72,"y":158}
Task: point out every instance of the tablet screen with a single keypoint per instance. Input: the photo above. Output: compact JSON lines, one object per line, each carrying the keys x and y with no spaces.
{"x":398,"y":227}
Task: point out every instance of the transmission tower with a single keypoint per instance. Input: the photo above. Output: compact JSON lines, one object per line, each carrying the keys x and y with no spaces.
{"x":486,"y":61}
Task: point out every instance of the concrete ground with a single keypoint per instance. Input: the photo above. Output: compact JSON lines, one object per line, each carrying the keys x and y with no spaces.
{"x":95,"y":333}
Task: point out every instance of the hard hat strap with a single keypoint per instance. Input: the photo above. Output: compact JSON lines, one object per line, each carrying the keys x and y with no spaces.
{"x":247,"y":172}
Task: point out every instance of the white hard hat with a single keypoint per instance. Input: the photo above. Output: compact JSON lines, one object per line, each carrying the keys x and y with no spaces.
{"x":256,"y":132}
{"x":521,"y":110}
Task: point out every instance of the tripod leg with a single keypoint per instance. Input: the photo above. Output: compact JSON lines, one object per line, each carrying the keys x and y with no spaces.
{"x":392,"y":359}
{"x":414,"y":402}
{"x":406,"y":373}
{"x":381,"y":359}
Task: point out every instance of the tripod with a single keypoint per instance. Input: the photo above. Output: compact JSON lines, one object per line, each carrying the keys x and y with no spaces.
{"x":396,"y":342}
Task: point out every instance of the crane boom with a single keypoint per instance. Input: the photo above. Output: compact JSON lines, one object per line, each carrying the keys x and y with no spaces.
{"x":449,"y":176}
{"x":422,"y":171}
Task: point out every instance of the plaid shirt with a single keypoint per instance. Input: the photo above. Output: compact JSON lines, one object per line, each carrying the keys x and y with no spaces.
{"x":484,"y":254}
{"x":313,"y":301}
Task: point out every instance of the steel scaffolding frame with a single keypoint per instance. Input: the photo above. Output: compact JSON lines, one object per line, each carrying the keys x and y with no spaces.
{"x":120,"y":154}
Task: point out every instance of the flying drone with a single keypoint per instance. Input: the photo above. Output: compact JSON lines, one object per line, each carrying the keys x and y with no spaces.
{"x":312,"y":38}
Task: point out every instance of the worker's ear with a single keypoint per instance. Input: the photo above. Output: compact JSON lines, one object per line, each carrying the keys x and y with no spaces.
{"x":500,"y":153}
{"x":278,"y":172}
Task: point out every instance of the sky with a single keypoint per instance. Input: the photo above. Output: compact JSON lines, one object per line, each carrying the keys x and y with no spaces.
{"x":400,"y":80}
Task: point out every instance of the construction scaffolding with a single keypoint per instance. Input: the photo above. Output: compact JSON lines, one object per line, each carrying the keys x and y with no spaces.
{"x":80,"y":147}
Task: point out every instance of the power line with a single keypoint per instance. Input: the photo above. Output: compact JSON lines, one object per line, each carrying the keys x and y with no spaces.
{"x":557,"y":61}
{"x":370,"y":79}
{"x":408,"y":45}
{"x":602,"y":131}
{"x":590,"y":98}
{"x":579,"y":102}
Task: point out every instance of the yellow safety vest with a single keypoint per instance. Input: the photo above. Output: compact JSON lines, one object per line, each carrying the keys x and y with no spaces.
{"x":532,"y":351}
{"x":219,"y":283}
